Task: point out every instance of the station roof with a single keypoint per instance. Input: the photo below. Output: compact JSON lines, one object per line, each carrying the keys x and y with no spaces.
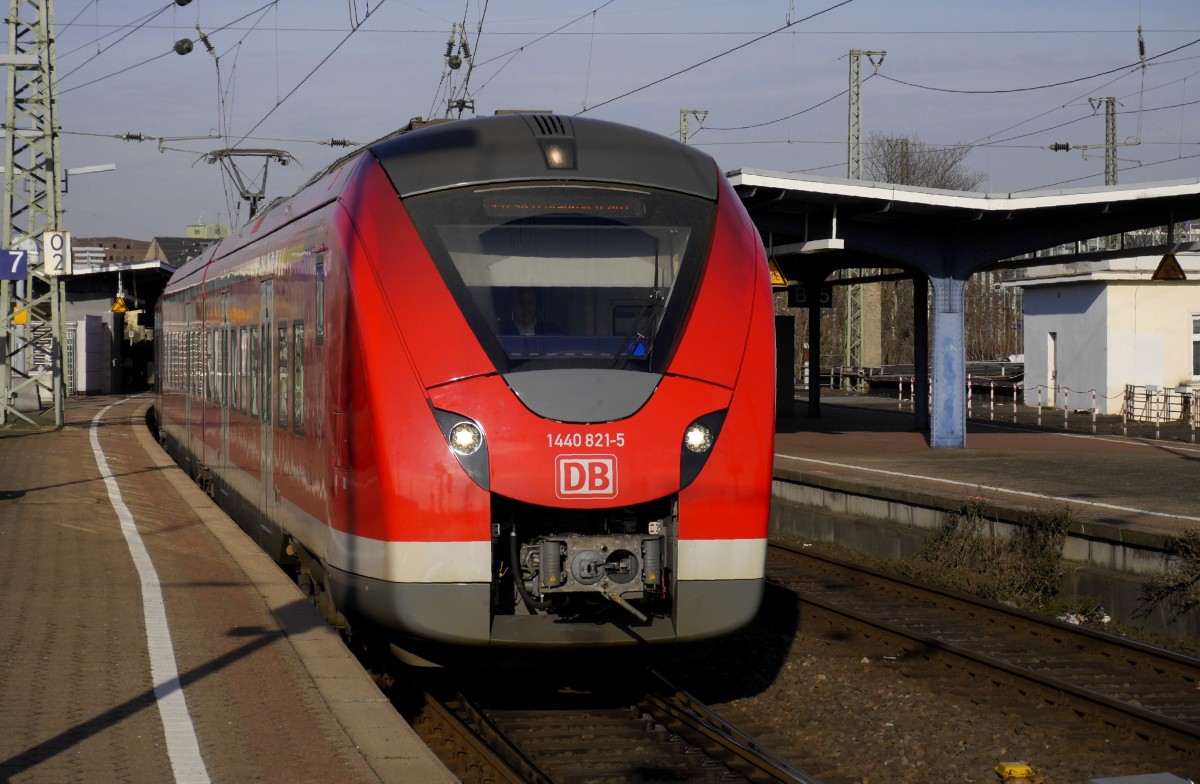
{"x":880,"y":222}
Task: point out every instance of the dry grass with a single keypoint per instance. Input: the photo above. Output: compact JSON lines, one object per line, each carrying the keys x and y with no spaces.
{"x":1025,"y":569}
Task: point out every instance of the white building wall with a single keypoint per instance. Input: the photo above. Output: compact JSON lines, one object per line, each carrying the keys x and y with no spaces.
{"x":1151,"y":333}
{"x":1076,"y":314}
{"x":1110,"y":333}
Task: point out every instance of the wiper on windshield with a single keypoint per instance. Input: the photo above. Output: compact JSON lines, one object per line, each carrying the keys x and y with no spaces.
{"x":639,"y":340}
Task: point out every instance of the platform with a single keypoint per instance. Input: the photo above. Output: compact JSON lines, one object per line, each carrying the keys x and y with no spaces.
{"x":859,"y":476}
{"x":1116,"y":486}
{"x":146,"y":638}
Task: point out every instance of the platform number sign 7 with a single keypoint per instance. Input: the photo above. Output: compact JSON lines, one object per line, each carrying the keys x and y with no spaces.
{"x":56,"y":251}
{"x":14,"y":264}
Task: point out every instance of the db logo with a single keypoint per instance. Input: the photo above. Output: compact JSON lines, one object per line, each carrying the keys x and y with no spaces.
{"x":594,"y":476}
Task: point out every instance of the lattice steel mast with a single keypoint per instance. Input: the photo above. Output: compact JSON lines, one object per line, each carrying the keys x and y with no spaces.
{"x":31,"y":310}
{"x":852,"y":355}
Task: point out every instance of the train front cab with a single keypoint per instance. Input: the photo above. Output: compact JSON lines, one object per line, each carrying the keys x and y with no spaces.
{"x":601,"y":389}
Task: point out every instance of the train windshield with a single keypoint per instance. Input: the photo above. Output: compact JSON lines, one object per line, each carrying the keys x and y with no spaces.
{"x":553,"y":275}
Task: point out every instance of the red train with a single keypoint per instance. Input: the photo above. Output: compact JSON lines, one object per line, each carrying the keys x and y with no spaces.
{"x":506,"y":381}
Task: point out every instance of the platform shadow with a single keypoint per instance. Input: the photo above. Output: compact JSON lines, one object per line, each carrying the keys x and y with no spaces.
{"x":148,"y":699}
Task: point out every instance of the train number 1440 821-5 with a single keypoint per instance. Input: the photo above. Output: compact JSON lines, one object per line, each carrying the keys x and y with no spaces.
{"x":589,"y":440}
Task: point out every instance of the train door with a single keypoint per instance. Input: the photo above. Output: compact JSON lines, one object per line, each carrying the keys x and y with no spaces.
{"x":267,"y":502}
{"x":225,"y":367}
{"x":191,"y":368}
{"x":210,"y":403}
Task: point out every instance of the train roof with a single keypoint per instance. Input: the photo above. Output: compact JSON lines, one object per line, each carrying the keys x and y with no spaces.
{"x":516,"y":147}
{"x":522,"y":147}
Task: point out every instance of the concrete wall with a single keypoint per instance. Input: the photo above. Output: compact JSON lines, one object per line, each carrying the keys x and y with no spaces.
{"x":1103,"y":566}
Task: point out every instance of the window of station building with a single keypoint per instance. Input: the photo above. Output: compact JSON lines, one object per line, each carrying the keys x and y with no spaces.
{"x":1196,"y":345}
{"x":281,"y":410}
{"x":298,"y":377}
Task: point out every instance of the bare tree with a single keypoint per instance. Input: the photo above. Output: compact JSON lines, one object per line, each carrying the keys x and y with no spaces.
{"x":903,"y":160}
{"x":993,"y":319}
{"x":989,"y":331}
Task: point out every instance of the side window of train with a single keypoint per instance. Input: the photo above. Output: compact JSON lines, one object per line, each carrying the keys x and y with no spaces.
{"x":266,"y":372}
{"x":298,"y":377}
{"x":210,"y":366}
{"x":319,"y":332}
{"x":223,"y":366}
{"x":190,"y":363}
{"x":244,"y":378}
{"x":266,"y":299}
{"x":281,"y":409}
{"x":225,"y":355}
{"x":196,"y":369}
{"x":232,"y":361}
{"x":255,"y":368}
{"x":243,"y":375}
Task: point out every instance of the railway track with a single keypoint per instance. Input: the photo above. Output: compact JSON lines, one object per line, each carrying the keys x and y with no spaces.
{"x":568,"y":736}
{"x":1149,"y":694}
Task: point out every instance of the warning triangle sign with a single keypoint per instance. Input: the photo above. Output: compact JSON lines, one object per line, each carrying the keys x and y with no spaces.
{"x":778,"y":281}
{"x":1168,"y":269}
{"x":119,"y":306}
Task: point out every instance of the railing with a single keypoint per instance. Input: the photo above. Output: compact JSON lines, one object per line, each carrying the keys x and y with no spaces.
{"x":847,"y":376}
{"x":1139,"y":404}
{"x":1149,"y":403}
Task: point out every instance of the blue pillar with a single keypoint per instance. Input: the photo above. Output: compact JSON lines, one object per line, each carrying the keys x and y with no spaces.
{"x":948,"y":424}
{"x":921,"y":353}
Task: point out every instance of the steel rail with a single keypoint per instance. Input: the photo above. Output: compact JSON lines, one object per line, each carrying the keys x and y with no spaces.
{"x":1177,"y":729}
{"x":684,"y":714}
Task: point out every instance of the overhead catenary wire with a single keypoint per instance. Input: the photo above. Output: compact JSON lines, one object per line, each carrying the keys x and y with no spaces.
{"x":587,"y":81}
{"x":164,"y":54}
{"x":793,"y":115}
{"x":511,"y":54}
{"x":134,"y":29}
{"x":469,"y":53}
{"x":78,"y":14}
{"x":1100,"y":174}
{"x":145,"y":25}
{"x":717,"y":56}
{"x":317,"y":67}
{"x":726,"y":33}
{"x":544,"y":36}
{"x":1031,"y":88}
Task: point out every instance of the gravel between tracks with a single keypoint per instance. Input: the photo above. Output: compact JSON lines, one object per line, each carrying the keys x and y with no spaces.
{"x":860,"y":710}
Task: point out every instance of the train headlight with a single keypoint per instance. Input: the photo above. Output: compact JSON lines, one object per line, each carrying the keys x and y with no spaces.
{"x":466,"y":438}
{"x":697,"y":445}
{"x":467,"y":444}
{"x":698,"y":438}
{"x":559,"y":153}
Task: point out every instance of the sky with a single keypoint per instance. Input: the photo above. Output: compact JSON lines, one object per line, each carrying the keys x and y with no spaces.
{"x":1009,"y":79}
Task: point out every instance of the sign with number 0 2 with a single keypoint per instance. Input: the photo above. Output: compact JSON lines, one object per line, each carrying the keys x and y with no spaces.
{"x":56,"y":251}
